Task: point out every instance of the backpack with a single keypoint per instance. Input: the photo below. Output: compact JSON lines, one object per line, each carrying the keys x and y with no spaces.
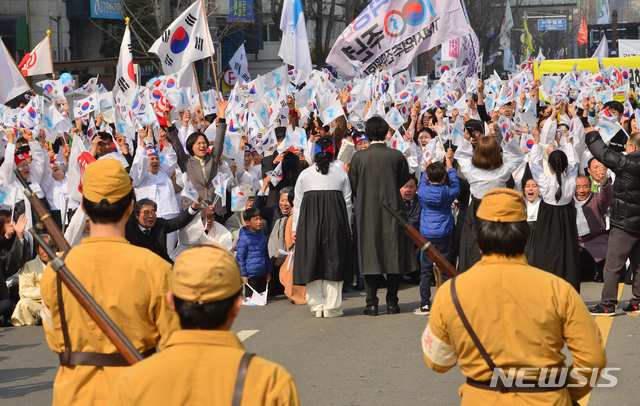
{"x":276,"y":241}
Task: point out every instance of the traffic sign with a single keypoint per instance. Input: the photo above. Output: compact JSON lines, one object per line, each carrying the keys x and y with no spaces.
{"x":552,"y":24}
{"x":229,"y":77}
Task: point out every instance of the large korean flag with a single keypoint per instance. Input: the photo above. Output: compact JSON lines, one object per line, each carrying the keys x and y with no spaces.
{"x":390,"y":34}
{"x":186,"y":40}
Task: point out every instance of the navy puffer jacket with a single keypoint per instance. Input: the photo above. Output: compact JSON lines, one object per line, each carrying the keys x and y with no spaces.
{"x":253,"y":254}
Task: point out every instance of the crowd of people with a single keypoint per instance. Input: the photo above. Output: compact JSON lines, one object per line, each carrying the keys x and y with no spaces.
{"x":320,"y":201}
{"x":299,"y":204}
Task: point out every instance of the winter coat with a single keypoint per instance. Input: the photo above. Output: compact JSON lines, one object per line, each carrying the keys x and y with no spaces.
{"x":253,"y":255}
{"x":436,"y":199}
{"x":625,"y":206}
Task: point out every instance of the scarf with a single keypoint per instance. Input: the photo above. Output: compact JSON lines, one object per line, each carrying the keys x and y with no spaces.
{"x":532,"y":209}
{"x":581,"y":220}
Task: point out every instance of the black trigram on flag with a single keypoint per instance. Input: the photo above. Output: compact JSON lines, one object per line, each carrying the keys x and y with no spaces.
{"x":168,"y":61}
{"x":190,"y":20}
{"x":166,"y":35}
{"x":129,"y":48}
{"x":198,"y":43}
{"x":122,"y":84}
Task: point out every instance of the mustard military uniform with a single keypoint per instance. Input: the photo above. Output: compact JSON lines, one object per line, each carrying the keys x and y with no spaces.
{"x":521,"y":315}
{"x":198,"y":367}
{"x":130,"y":284}
{"x":524,"y":322}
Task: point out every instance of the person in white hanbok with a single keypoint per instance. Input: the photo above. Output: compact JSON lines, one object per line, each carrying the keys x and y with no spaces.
{"x":27,"y":310}
{"x":202,"y":230}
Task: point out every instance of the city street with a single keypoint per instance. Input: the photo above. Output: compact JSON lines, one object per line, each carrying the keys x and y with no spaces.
{"x":352,"y":360}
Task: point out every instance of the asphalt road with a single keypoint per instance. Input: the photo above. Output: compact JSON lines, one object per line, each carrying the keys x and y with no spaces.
{"x":352,"y":360}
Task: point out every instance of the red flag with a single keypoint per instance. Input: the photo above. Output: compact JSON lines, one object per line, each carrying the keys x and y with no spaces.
{"x":582,"y":34}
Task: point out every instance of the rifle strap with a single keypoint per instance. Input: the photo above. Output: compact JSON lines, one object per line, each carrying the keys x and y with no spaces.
{"x":240,"y":378}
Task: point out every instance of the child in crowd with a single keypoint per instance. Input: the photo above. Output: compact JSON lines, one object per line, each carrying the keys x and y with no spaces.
{"x":436,"y":223}
{"x":253,"y":254}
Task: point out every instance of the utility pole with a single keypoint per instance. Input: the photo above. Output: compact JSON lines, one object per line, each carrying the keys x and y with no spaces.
{"x":614,"y":32}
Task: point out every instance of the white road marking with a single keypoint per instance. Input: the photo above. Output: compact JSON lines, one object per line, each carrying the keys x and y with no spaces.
{"x":244,"y":334}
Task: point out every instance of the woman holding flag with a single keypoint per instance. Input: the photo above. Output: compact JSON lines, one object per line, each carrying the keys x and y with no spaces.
{"x":200,"y":165}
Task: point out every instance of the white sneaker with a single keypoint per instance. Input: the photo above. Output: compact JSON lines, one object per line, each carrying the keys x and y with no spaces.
{"x":422,"y":311}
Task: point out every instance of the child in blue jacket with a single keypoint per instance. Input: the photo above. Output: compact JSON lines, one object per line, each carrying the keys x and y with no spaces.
{"x":253,"y":253}
{"x":436,"y":222}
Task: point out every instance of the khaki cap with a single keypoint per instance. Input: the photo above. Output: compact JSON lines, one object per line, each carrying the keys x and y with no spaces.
{"x":206,"y":273}
{"x":502,"y":205}
{"x":105,"y":179}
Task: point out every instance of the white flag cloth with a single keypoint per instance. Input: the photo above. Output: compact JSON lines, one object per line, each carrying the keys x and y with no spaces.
{"x":276,"y":175}
{"x":238,"y":199}
{"x":38,"y":61}
{"x":8,"y":195}
{"x":51,"y":119}
{"x":380,"y":36}
{"x":240,"y":65}
{"x":394,"y":118}
{"x":294,"y":47}
{"x":125,"y":75}
{"x":505,"y":28}
{"x":527,"y":140}
{"x":52,"y":89}
{"x":608,"y":130}
{"x":76,"y":168}
{"x":89,"y":88}
{"x":604,"y":17}
{"x":603,"y":48}
{"x":295,"y":138}
{"x":12,"y":84}
{"x":220,"y":183}
{"x":186,"y":40}
{"x":189,"y":190}
{"x":231,"y":146}
{"x":332,"y":112}
{"x":83,"y":107}
{"x":30,"y":116}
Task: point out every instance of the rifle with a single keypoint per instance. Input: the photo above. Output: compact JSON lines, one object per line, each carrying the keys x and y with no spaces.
{"x":102,"y":319}
{"x":425,"y":247}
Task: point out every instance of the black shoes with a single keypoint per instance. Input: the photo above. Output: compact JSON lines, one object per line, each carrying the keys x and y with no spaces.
{"x":597,"y":310}
{"x":631,"y":309}
{"x":371,"y":310}
{"x":393,"y":309}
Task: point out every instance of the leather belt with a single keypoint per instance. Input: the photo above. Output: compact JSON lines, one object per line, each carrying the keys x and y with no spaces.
{"x":97,"y":359}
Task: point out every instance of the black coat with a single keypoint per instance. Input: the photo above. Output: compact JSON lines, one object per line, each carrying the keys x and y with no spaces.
{"x":156,"y":241}
{"x":377,"y":174}
{"x":625,"y":205}
{"x":10,"y":262}
{"x":414,"y":211}
{"x":291,"y":168}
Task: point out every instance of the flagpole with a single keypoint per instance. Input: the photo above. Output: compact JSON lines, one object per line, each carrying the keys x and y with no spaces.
{"x":16,"y":65}
{"x":53,"y":72}
{"x":195,"y":77}
{"x":213,"y":65}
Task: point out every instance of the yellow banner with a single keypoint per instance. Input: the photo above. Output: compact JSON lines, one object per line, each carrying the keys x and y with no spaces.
{"x":563,"y":66}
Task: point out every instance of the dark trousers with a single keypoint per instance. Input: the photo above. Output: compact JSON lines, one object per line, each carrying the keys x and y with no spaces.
{"x":622,"y":246}
{"x":6,"y":309}
{"x":589,"y":268}
{"x":443,"y":246}
{"x":372,"y":283}
{"x":258,"y":283}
